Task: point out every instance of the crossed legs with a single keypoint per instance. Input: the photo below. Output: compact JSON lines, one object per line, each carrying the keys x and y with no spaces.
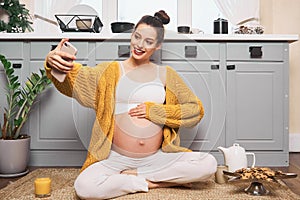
{"x":119,"y":175}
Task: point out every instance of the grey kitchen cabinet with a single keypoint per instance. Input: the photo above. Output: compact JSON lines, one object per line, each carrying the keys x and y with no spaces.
{"x":198,"y":64}
{"x":254,"y":117}
{"x":16,"y":55}
{"x":118,"y":51}
{"x":257,"y":99}
{"x":243,"y":87}
{"x":244,"y":90}
{"x":46,"y":129}
{"x":56,"y":120}
{"x":112,"y":50}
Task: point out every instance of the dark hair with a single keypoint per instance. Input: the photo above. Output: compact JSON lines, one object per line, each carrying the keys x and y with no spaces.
{"x":157,"y":21}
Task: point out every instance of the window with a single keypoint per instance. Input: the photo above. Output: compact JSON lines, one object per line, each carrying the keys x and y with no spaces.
{"x":195,"y":13}
{"x":133,"y":10}
{"x":204,"y":12}
{"x":96,"y":4}
{"x":48,"y":8}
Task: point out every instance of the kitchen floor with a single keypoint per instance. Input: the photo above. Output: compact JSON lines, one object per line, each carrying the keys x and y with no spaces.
{"x":293,"y":184}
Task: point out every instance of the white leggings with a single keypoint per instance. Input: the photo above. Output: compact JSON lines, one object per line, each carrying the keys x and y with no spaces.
{"x":102,"y":180}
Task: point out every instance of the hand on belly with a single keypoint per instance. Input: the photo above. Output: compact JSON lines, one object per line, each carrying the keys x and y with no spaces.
{"x":136,"y":137}
{"x":136,"y":127}
{"x":139,"y":111}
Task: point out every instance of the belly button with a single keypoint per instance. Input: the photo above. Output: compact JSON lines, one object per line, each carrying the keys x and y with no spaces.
{"x":141,"y":142}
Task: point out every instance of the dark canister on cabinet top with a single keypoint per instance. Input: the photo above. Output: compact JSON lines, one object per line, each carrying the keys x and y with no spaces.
{"x":220,"y":26}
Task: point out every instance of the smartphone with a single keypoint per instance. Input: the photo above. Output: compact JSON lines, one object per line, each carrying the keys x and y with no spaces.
{"x":68,"y":48}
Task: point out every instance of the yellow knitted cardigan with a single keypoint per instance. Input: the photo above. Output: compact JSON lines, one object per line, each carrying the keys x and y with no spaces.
{"x":94,"y":87}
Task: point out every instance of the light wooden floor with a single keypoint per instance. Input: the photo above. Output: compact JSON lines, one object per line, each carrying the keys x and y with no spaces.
{"x":293,"y":184}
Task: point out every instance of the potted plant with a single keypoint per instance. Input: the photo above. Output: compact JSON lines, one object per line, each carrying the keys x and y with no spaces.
{"x":14,"y":17}
{"x":15,"y":145}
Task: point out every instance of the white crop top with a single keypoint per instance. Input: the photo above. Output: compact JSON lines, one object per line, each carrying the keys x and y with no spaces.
{"x":130,"y":93}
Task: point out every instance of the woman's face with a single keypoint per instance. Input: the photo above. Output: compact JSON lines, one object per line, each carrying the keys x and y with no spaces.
{"x":144,"y":42}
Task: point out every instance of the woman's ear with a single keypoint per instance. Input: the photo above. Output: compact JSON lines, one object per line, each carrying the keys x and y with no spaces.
{"x":158,"y":46}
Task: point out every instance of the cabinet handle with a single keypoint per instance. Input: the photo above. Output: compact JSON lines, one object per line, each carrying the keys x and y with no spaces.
{"x":255,"y":52}
{"x":190,"y":51}
{"x":17,"y":65}
{"x":123,"y":50}
{"x":53,"y":47}
{"x":214,"y":67}
{"x":230,"y":67}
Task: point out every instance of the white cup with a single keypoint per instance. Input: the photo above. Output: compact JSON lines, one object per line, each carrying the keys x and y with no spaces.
{"x":196,"y":31}
{"x":219,"y":175}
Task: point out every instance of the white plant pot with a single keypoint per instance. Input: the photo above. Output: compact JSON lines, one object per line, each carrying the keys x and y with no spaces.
{"x":4,"y":15}
{"x":14,"y":157}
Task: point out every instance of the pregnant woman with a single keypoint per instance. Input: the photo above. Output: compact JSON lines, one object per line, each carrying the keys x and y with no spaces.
{"x":140,"y":107}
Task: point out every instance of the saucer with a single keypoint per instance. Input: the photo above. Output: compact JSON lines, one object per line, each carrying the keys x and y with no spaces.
{"x":14,"y":175}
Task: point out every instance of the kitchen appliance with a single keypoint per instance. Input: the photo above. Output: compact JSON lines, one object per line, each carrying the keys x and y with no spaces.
{"x":220,"y":26}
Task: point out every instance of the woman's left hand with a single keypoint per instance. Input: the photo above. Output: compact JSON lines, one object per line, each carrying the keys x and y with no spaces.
{"x":139,"y":111}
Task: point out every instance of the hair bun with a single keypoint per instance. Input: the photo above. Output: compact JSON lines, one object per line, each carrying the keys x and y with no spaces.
{"x":163,"y":16}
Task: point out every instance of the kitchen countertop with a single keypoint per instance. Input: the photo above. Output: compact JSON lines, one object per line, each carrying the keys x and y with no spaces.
{"x":170,"y":35}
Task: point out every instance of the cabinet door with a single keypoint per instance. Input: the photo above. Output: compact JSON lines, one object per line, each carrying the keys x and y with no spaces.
{"x":52,"y":122}
{"x":112,"y":50}
{"x":14,"y":53}
{"x":57,"y":120}
{"x":255,"y":100}
{"x":204,"y":79}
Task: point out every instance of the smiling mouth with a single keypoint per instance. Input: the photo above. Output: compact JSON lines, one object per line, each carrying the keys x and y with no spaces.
{"x":138,"y":51}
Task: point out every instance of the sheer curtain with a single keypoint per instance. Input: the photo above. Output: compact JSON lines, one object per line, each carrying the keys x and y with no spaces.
{"x":47,"y":9}
{"x":59,"y":6}
{"x":240,"y":12}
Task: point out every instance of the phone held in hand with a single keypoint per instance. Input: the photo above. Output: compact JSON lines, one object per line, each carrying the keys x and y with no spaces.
{"x":68,"y":48}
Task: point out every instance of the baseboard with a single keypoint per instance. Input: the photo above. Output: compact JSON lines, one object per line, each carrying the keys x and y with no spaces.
{"x":57,"y":158}
{"x":294,"y":140}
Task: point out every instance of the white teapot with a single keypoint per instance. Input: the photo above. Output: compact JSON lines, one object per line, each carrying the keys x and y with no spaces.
{"x":236,"y":157}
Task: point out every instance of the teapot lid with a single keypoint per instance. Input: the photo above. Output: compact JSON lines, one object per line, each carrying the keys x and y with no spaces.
{"x":237,"y":146}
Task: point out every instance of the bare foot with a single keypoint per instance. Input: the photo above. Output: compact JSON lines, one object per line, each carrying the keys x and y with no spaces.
{"x":129,"y":172}
{"x":152,"y":185}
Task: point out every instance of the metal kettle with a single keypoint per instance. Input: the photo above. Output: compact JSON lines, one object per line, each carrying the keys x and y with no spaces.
{"x":236,"y":157}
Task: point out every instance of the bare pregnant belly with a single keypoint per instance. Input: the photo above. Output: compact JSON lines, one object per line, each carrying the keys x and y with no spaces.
{"x":136,"y":137}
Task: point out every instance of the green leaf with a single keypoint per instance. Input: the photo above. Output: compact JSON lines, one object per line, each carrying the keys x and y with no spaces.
{"x":15,"y":95}
{"x":20,"y":102}
{"x":14,"y":79}
{"x":20,"y":99}
{"x":15,"y":86}
{"x":18,"y":121}
{"x":19,"y":17}
{"x":33,"y":79}
{"x":7,"y":64}
{"x":9,"y":71}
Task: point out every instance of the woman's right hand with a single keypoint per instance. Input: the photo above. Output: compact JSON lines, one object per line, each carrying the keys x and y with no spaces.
{"x":59,"y":60}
